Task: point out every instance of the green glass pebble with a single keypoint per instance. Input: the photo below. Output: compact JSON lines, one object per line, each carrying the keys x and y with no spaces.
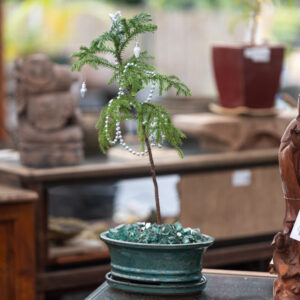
{"x":148,"y":233}
{"x":113,"y":233}
{"x":191,"y":238}
{"x":164,"y":240}
{"x":187,"y":231}
{"x":185,"y":240}
{"x":172,"y":240}
{"x":178,"y":226}
{"x":196,"y":232}
{"x":166,"y":229}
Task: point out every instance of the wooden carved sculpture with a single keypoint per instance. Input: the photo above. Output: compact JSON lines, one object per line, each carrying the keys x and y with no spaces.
{"x":48,"y":128}
{"x":286,"y":257}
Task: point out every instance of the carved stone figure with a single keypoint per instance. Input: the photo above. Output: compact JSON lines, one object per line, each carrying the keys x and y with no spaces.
{"x":48,"y":130}
{"x":286,"y":257}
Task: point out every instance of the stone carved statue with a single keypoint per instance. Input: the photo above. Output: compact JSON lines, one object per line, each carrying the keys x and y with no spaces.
{"x":286,"y":257}
{"x":48,"y":118}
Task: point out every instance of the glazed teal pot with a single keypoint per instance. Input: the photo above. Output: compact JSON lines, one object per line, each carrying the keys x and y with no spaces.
{"x":156,"y":263}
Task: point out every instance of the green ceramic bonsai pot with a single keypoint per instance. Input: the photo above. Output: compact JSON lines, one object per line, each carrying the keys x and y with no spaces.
{"x":157,"y":264}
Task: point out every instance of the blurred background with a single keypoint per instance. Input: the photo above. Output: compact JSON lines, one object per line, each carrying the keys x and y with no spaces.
{"x":244,"y":169}
{"x":58,"y":28}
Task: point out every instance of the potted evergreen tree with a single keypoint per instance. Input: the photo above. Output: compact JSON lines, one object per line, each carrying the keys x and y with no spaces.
{"x":149,"y":258}
{"x":248,"y":75}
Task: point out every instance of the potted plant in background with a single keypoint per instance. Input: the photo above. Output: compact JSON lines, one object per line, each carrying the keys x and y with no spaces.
{"x":248,"y":75}
{"x":149,"y":258}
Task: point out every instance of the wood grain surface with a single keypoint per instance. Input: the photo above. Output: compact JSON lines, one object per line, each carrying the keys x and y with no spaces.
{"x":17,"y":246}
{"x":126,"y":169}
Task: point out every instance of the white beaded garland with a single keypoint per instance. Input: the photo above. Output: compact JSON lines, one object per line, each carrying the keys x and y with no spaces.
{"x":118,"y":135}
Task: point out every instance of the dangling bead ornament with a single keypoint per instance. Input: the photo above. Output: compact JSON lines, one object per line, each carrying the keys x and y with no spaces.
{"x":83,"y":89}
{"x":137,"y":49}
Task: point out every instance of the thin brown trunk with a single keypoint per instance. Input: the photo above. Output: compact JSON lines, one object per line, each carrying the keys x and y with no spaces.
{"x":153,"y":172}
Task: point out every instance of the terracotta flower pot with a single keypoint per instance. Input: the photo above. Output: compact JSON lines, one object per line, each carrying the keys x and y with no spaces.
{"x":247,"y":76}
{"x":156,"y":268}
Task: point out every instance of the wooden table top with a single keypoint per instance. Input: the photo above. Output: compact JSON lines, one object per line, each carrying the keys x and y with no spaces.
{"x":221,"y":285}
{"x":111,"y":168}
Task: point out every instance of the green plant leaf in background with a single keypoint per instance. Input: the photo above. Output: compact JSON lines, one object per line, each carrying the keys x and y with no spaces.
{"x":286,"y":27}
{"x":44,"y":25}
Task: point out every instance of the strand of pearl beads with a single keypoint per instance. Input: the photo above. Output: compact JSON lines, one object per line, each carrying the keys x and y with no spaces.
{"x":118,"y":135}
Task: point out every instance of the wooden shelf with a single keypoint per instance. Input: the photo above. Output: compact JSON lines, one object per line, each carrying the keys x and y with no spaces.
{"x":67,"y":255}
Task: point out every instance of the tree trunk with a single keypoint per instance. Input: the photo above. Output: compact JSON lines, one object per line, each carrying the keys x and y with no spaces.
{"x":153,"y":172}
{"x":253,"y":29}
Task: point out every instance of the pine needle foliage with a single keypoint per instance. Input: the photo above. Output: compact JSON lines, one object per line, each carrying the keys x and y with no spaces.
{"x":153,"y":117}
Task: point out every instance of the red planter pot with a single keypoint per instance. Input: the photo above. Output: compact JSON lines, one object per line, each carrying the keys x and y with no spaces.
{"x":247,"y":76}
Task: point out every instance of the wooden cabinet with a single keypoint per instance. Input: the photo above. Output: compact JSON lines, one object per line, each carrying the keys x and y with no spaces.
{"x":233,"y":203}
{"x":17,"y":244}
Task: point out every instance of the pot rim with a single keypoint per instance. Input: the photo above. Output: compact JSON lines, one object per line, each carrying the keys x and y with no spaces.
{"x":103,"y":236}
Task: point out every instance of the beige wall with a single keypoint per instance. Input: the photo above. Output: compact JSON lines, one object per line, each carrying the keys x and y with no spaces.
{"x":183,"y":42}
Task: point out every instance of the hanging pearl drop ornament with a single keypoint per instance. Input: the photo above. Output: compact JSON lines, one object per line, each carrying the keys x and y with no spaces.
{"x":137,"y":49}
{"x":83,"y":89}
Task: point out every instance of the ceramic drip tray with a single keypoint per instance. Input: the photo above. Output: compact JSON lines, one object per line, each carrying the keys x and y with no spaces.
{"x":156,"y":288}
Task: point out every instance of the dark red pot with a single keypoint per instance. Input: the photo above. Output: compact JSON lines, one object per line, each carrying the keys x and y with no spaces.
{"x":247,"y":81}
